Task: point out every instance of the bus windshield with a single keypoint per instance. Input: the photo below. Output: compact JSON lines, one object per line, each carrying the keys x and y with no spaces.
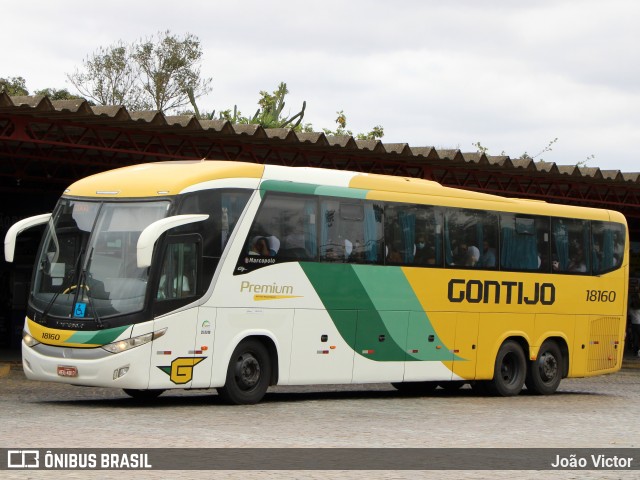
{"x":87,"y":262}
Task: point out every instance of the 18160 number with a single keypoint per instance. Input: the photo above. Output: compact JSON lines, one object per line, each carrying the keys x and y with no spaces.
{"x":601,"y":296}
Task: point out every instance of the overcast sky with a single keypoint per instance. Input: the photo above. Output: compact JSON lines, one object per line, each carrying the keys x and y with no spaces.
{"x":511,"y":75}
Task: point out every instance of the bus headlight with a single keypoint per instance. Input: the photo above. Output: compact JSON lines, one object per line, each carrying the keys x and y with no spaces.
{"x":28,"y":340}
{"x":129,"y":343}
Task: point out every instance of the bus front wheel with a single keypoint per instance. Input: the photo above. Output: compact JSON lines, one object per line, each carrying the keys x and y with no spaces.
{"x":510,"y":370}
{"x":545,"y":372}
{"x":248,"y":374}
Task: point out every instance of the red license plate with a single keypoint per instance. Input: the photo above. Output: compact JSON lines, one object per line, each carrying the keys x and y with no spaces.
{"x":66,"y":371}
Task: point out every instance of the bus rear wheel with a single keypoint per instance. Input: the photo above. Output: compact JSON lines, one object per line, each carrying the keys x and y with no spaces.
{"x":142,"y":394}
{"x":545,"y":372}
{"x":510,"y":370}
{"x":248,"y":374}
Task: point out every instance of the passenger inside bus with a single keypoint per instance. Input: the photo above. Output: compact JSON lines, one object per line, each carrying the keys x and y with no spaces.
{"x":421,"y":251}
{"x":488,"y":258}
{"x":473,"y":255}
{"x":260,"y":247}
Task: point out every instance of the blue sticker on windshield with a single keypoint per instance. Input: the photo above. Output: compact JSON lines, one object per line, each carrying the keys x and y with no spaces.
{"x":80,"y":309}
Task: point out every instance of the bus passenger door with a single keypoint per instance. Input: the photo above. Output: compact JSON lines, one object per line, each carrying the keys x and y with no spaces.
{"x":380,"y":348}
{"x":466,"y":346}
{"x":322,"y":346}
{"x":176,"y":357}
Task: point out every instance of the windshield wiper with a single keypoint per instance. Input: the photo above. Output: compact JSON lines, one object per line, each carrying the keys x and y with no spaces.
{"x":83,"y":284}
{"x":64,"y":286}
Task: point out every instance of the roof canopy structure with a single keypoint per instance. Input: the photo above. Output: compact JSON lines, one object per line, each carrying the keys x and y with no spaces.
{"x":46,"y":145}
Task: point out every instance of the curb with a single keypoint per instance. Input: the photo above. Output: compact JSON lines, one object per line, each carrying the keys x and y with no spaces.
{"x":631,"y":365}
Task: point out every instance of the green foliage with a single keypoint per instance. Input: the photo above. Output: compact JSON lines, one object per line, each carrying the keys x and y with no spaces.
{"x":109,"y":77}
{"x":480,"y":148}
{"x":525,"y":156}
{"x":13,"y":86}
{"x":169,"y":70}
{"x":57,"y":94}
{"x":269,"y":115}
{"x":375,"y":133}
{"x":544,"y":150}
{"x":155,"y":73}
{"x":17,"y":86}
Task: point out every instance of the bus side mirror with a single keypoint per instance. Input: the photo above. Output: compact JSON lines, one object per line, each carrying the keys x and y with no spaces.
{"x":16,"y":229}
{"x":150,"y":235}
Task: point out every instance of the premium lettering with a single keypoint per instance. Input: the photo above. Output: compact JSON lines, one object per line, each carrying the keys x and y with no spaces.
{"x":269,"y":289}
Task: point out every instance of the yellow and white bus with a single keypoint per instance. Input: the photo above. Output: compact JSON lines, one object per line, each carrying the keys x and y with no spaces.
{"x":237,"y":276}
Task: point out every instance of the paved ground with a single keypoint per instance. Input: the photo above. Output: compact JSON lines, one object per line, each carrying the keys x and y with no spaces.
{"x":600,"y":412}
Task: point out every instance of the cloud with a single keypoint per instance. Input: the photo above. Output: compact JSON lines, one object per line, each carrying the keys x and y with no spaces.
{"x":508,"y":74}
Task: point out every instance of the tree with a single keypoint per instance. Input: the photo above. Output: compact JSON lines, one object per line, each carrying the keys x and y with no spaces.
{"x":110,"y":77}
{"x":169,"y":69}
{"x":57,"y":94}
{"x":13,"y":86}
{"x":17,"y":86}
{"x":155,"y":73}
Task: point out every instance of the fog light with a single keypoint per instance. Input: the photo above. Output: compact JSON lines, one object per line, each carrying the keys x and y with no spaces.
{"x":119,"y":372}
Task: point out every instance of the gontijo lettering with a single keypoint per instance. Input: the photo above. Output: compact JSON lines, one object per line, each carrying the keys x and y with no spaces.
{"x":508,"y":292}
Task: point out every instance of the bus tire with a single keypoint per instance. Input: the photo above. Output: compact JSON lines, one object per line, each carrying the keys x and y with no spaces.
{"x":142,"y":394}
{"x":510,"y":370}
{"x":248,"y":374}
{"x":545,"y":372}
{"x":415,"y":388}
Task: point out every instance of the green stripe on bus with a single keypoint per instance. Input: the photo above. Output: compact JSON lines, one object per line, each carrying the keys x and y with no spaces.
{"x":102,"y":337}
{"x":343,"y":192}
{"x":311,"y":189}
{"x":374,"y":309}
{"x":351,"y":309}
{"x":287,"y":187}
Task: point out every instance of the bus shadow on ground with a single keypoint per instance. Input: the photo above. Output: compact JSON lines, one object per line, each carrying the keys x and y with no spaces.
{"x":210,"y":397}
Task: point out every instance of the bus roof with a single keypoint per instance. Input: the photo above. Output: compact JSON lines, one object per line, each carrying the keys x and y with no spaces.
{"x":160,"y":179}
{"x":175,"y":177}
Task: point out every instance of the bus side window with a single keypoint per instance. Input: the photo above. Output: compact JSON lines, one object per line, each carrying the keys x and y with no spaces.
{"x":524,"y":242}
{"x":399,"y":234}
{"x":283,"y":230}
{"x":179,"y":272}
{"x":569,"y":245}
{"x":471,"y":238}
{"x":342,"y":230}
{"x":607,"y":246}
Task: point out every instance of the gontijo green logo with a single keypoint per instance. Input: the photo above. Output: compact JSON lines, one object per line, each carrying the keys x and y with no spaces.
{"x":181,"y":369}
